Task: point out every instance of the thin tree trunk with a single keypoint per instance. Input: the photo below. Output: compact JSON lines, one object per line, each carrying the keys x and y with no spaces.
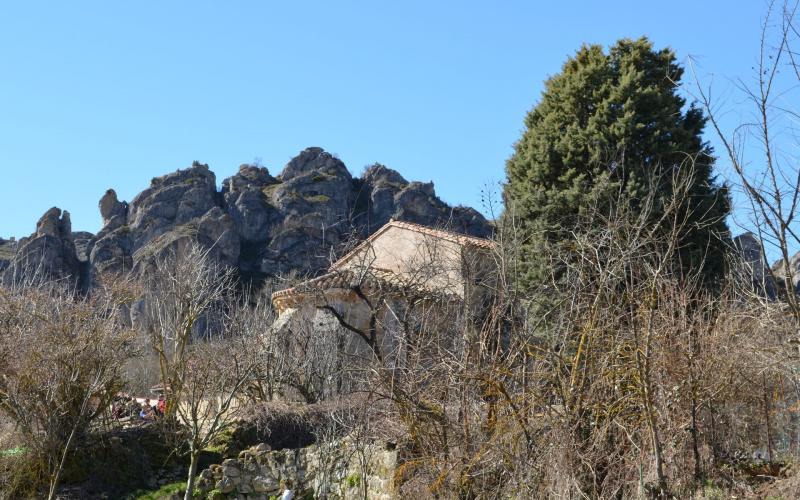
{"x":643,"y":362}
{"x":766,"y":416}
{"x":192,"y":473}
{"x":698,"y":471}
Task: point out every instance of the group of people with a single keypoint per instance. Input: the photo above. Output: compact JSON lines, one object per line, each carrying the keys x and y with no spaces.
{"x":127,"y":407}
{"x":152,"y":412}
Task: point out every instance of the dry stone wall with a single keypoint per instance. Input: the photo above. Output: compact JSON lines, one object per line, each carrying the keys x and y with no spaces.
{"x":341,"y":469}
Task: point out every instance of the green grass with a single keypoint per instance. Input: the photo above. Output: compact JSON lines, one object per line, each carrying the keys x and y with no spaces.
{"x":321,"y":177}
{"x":224,"y":444}
{"x":353,"y":480}
{"x":13,"y":452}
{"x":164,"y":492}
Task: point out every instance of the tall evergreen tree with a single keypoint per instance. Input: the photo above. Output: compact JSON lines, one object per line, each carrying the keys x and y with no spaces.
{"x":612,"y":122}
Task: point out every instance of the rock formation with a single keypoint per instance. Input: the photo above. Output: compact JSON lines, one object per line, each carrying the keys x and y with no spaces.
{"x":47,"y":254}
{"x":751,"y":266}
{"x":389,"y":196}
{"x":781,"y":272}
{"x":7,"y":250}
{"x":260,"y":224}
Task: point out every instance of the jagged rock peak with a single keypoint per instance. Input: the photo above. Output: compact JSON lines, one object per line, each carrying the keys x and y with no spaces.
{"x":56,"y":223}
{"x":749,"y":247}
{"x":249,"y":176}
{"x":111,"y":207}
{"x":316,"y":160}
{"x":781,"y":272}
{"x":196,"y":170}
{"x":425,"y":187}
{"x":380,"y":175}
{"x":49,"y":253}
{"x":751,"y":265}
{"x":263,"y":225}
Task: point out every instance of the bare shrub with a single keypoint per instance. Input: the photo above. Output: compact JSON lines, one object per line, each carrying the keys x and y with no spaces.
{"x":60,"y":359}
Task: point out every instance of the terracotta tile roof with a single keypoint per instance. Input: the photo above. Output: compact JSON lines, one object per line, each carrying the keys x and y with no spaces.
{"x":369,"y":280}
{"x":451,"y":236}
{"x":372,"y":278}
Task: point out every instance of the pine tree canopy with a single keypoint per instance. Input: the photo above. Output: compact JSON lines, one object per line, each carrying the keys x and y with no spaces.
{"x":611,"y":121}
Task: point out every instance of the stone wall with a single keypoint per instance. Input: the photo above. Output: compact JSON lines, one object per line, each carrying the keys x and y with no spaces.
{"x":338,"y":470}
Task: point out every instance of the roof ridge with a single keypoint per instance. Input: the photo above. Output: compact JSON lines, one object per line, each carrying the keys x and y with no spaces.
{"x":440,"y":232}
{"x":342,"y":276}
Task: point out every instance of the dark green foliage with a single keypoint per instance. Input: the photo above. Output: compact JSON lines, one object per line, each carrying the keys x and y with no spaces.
{"x":612,"y":125}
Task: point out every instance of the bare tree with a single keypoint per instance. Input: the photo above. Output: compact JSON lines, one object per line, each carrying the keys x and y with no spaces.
{"x":206,"y":339}
{"x":215,"y":380}
{"x":184,"y":297}
{"x":762,"y":152}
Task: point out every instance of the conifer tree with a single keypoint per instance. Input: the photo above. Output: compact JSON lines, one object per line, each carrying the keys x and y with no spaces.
{"x":610,"y":123}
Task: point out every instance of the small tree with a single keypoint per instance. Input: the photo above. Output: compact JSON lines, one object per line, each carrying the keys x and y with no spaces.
{"x":186,"y":291}
{"x":207,"y":345}
{"x":768,"y":171}
{"x":216,"y":376}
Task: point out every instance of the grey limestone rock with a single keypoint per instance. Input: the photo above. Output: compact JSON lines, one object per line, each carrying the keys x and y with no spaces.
{"x":48,"y":254}
{"x":751,"y":264}
{"x":260,"y":224}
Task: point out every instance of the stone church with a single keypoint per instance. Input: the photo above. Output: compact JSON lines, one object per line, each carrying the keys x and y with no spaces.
{"x":397,"y":283}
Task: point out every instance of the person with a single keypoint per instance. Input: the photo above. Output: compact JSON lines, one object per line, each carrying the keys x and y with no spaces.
{"x":162,"y":405}
{"x":147,"y":411}
{"x":119,"y":409}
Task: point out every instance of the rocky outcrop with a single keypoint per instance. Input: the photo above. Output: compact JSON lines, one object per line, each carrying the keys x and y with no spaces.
{"x":260,"y":224}
{"x":385,"y":195}
{"x":333,"y":470}
{"x":313,"y":202}
{"x":176,"y":209}
{"x":83,"y":241}
{"x":751,"y":264}
{"x":8,"y":248}
{"x":47,"y":254}
{"x":266,"y":225}
{"x":781,"y":272}
{"x":113,"y":211}
{"x":170,"y":202}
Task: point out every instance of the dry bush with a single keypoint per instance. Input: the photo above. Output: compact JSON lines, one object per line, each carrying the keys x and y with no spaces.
{"x":60,"y":359}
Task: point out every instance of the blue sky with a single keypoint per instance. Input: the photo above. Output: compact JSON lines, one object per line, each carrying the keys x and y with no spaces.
{"x":110,"y":94}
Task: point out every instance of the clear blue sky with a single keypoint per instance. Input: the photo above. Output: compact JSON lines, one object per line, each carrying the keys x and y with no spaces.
{"x":109,"y":94}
